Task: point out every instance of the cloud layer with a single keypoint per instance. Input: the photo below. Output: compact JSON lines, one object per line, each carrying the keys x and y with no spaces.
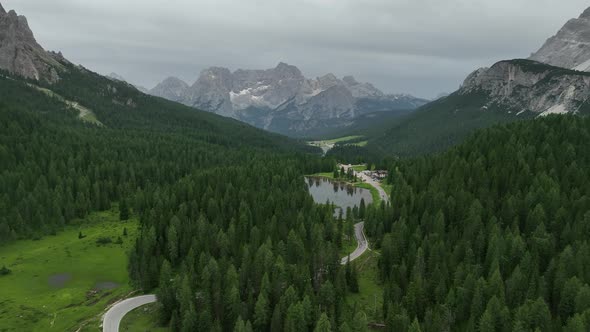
{"x":421,"y":47}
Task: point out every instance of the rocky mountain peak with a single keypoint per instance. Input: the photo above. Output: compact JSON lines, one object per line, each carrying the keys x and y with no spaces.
{"x":116,"y":76}
{"x":174,"y":81}
{"x":281,"y":98}
{"x":570,"y":47}
{"x":171,"y":88}
{"x":525,"y":85}
{"x":586,"y":14}
{"x":21,"y":54}
{"x":218,"y":76}
{"x":288,"y":70}
{"x":350,"y":80}
{"x":329,"y":80}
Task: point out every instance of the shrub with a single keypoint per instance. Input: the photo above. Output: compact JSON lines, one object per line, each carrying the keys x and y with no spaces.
{"x":5,"y":271}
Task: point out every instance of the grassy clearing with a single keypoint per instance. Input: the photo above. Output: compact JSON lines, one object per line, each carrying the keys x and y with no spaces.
{"x":86,"y":114}
{"x":359,"y":168}
{"x":142,"y":319}
{"x":370,"y":296}
{"x":341,"y":139}
{"x":59,"y":282}
{"x":348,"y":246}
{"x":373,"y":190}
{"x":329,"y":175}
{"x":361,"y":144}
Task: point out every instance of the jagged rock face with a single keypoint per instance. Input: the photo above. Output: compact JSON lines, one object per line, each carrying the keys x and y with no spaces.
{"x":21,"y":54}
{"x":283,"y":95}
{"x":362,"y":90}
{"x":570,"y":47}
{"x":265,"y":88}
{"x":171,"y":88}
{"x":523,"y":85}
{"x":211,"y":92}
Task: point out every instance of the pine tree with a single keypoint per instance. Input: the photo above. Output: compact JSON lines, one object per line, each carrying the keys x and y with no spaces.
{"x":123,"y":210}
{"x":323,"y":324}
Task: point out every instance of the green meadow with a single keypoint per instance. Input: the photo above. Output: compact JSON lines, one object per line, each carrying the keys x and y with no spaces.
{"x":63,"y":283}
{"x":142,"y":319}
{"x":370,"y":295}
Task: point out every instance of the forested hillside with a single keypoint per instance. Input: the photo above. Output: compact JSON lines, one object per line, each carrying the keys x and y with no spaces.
{"x":54,"y":167}
{"x":229,"y":236}
{"x":432,"y":128}
{"x":493,"y":234}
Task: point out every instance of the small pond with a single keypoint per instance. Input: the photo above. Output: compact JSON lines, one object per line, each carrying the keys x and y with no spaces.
{"x":339,"y":193}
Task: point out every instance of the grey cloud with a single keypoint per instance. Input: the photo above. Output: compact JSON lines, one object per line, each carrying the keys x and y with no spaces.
{"x":421,"y":47}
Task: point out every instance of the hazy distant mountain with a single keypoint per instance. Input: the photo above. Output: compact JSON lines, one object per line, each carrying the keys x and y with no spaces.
{"x":21,"y":54}
{"x":171,"y":88}
{"x":570,"y":47}
{"x":117,"y":77}
{"x":281,"y":99}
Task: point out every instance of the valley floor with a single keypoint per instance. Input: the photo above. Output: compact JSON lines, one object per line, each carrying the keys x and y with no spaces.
{"x":61,"y":282}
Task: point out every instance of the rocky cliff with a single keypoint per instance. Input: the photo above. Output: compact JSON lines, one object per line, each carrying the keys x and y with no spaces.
{"x":525,"y":85}
{"x":570,"y":47}
{"x":21,"y":54}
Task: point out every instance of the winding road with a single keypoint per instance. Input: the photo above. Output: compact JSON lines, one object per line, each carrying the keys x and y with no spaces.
{"x":115,"y":314}
{"x":362,"y":243}
{"x":112,"y":318}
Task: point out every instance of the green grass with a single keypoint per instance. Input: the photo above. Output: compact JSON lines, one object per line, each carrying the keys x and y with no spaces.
{"x":359,"y":168}
{"x":361,"y":144}
{"x":142,"y":319}
{"x":342,"y":139}
{"x":348,"y":246}
{"x":86,"y":114}
{"x":373,"y":190}
{"x":28,"y":302}
{"x":370,"y":295}
{"x":329,"y":175}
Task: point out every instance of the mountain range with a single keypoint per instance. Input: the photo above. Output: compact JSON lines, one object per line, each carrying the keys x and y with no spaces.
{"x":554,"y":80}
{"x":281,"y":99}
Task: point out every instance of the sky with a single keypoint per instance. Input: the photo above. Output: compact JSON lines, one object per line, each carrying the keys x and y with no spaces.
{"x":421,"y":47}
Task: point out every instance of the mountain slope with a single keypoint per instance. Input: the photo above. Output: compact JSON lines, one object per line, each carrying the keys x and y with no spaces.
{"x":570,"y":47}
{"x":114,"y":102}
{"x":282,"y":100}
{"x":21,"y":54}
{"x":551,"y":81}
{"x":507,"y":91}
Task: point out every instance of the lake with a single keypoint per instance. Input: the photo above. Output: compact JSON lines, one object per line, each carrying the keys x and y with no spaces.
{"x":339,"y":193}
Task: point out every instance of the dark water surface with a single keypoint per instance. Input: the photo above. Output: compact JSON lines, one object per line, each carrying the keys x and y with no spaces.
{"x":338,"y":193}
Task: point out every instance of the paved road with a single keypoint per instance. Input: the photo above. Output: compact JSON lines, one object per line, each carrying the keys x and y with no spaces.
{"x":112,"y":319}
{"x":370,"y":181}
{"x":362,"y":243}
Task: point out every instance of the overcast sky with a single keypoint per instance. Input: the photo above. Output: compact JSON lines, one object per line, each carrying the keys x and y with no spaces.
{"x":422,"y":47}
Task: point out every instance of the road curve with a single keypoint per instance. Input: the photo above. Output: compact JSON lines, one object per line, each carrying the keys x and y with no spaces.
{"x":362,"y":243}
{"x":112,"y":318}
